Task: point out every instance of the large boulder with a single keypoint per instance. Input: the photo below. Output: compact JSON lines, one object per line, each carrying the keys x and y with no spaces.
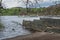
{"x":44,"y":24}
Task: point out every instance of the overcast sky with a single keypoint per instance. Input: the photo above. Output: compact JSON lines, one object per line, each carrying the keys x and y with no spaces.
{"x":19,"y":3}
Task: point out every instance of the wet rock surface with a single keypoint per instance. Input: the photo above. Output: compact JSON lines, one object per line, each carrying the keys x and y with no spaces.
{"x":44,"y":24}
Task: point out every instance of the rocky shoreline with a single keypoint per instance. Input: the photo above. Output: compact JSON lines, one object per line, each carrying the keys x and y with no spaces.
{"x":37,"y":36}
{"x":44,"y":24}
{"x":43,"y":29}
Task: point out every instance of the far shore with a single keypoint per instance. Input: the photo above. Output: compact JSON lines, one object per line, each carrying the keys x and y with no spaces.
{"x":33,"y":15}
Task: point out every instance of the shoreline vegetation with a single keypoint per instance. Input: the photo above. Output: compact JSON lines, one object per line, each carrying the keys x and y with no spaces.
{"x":51,"y":10}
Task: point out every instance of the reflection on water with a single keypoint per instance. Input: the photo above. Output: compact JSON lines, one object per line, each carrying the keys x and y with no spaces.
{"x":12,"y":27}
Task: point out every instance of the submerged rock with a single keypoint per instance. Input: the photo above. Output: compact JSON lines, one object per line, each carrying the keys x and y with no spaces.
{"x":1,"y":27}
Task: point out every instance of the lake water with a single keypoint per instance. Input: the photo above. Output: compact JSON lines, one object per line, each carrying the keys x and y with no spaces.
{"x":12,"y":27}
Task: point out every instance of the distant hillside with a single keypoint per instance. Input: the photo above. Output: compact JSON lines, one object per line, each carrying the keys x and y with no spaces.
{"x":53,"y":10}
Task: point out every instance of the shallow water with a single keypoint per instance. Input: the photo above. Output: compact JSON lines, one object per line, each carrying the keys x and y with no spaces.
{"x":12,"y":27}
